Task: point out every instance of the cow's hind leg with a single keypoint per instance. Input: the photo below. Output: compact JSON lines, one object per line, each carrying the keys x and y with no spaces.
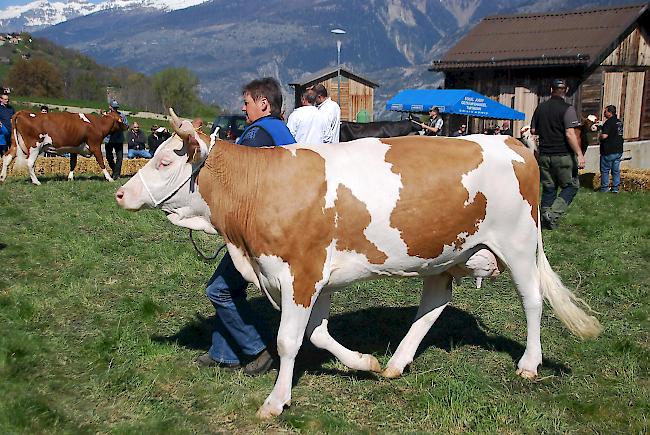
{"x":293,"y":323}
{"x":436,"y":294}
{"x":73,"y":164}
{"x":524,"y":272}
{"x":320,"y":337}
{"x":6,"y":160}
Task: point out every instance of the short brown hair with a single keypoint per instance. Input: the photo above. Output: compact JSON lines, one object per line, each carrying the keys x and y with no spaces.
{"x":268,"y":88}
{"x":321,"y":90}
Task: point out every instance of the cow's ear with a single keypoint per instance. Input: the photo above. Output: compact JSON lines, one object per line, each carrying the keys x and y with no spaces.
{"x":193,"y":150}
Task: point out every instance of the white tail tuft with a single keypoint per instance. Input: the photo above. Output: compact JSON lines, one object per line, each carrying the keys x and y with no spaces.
{"x":562,"y":300}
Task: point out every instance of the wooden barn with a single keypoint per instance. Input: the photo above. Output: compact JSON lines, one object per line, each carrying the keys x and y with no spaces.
{"x":604,"y":54}
{"x":357,"y":93}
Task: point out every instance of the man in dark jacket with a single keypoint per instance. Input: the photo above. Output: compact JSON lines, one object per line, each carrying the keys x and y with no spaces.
{"x":6,"y":112}
{"x":137,"y":142}
{"x":156,"y":138}
{"x":235,"y":325}
{"x":115,"y":144}
{"x":611,"y":150}
{"x":560,"y":156}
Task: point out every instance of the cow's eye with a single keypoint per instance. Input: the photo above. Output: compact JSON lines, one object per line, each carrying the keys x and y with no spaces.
{"x":164,"y":163}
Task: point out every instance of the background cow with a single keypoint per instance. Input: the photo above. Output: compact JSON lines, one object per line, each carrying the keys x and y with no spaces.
{"x":432,"y":207}
{"x":358,"y":130}
{"x":59,"y":132}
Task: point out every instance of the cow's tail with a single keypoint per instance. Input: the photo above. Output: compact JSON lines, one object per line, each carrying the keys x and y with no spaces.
{"x":21,"y":148}
{"x":564,"y":303}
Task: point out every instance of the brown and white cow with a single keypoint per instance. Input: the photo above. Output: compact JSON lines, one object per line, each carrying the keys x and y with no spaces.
{"x":301,"y":221}
{"x":59,"y":132}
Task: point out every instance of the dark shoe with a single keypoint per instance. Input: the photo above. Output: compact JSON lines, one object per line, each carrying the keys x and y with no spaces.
{"x":261,"y":364}
{"x":206,"y":360}
{"x":547,"y":222}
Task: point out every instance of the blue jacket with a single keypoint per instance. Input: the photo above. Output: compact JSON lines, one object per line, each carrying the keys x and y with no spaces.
{"x":4,"y":135}
{"x":267,"y":131}
{"x":6,"y":112}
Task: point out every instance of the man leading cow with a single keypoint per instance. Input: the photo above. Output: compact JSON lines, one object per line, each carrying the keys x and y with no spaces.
{"x":227,"y":288}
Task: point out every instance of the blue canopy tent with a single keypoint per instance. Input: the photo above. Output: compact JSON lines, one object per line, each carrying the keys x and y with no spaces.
{"x":452,"y":101}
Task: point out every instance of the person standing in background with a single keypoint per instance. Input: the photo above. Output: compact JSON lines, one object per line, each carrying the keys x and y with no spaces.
{"x":115,"y":144}
{"x":560,"y":155}
{"x":611,"y":150}
{"x":306,"y":123}
{"x":6,"y":112}
{"x":331,"y":114}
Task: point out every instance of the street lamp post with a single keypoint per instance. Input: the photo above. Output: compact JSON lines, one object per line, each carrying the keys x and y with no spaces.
{"x":339,"y":33}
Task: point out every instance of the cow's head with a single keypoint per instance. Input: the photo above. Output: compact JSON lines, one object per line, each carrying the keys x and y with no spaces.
{"x":168,"y":180}
{"x":117,"y":121}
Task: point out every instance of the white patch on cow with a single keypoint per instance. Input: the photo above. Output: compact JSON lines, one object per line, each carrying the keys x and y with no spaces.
{"x":107,"y":176}
{"x":32,"y":115}
{"x":71,"y":175}
{"x":502,"y":194}
{"x":342,"y":168}
{"x":274,"y":272}
{"x":83,"y":118}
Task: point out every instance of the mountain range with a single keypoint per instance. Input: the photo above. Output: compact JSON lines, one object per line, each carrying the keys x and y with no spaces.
{"x":226,"y":43}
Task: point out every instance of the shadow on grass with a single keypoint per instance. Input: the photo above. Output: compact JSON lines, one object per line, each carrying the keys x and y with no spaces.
{"x":376,"y":330}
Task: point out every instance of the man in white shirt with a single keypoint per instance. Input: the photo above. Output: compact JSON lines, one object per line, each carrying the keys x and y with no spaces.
{"x":307,"y":123}
{"x":332,"y":114}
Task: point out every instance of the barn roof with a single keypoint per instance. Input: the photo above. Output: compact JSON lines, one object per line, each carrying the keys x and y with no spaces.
{"x":329,"y":73}
{"x":577,"y":38}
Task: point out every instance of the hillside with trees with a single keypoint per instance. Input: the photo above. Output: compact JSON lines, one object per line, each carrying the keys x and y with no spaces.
{"x":38,"y":68}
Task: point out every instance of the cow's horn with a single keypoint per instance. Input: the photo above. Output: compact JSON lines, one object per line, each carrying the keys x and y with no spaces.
{"x":176,"y":124}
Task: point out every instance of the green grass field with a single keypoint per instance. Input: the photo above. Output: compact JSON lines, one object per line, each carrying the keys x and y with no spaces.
{"x":102,"y":313}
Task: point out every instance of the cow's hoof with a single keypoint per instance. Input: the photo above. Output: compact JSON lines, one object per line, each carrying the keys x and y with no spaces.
{"x":391,"y":373}
{"x":70,"y":177}
{"x":526,"y":374}
{"x":36,"y":183}
{"x":373,"y":364}
{"x":268,"y":411}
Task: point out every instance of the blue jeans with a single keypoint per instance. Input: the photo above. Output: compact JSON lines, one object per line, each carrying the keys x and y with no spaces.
{"x":234,"y":325}
{"x":139,"y":153}
{"x":610,"y":162}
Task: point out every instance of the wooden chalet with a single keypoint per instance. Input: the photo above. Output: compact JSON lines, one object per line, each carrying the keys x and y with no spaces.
{"x":357,"y":92}
{"x":603,"y":53}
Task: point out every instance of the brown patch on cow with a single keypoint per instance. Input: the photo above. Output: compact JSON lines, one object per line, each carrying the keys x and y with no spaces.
{"x":352,"y":219}
{"x":442,"y":217}
{"x":256,"y":208}
{"x":527,"y":174}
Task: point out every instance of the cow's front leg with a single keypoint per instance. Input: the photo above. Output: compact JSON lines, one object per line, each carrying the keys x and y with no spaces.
{"x":97,"y":152}
{"x":31,"y":162}
{"x":292,"y":330}
{"x":436,"y":294}
{"x":320,"y":337}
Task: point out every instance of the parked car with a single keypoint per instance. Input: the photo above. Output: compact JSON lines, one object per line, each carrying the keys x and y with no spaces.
{"x":230,"y":126}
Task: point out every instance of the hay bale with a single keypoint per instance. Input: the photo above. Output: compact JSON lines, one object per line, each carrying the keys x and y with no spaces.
{"x":632,"y":180}
{"x":50,"y":166}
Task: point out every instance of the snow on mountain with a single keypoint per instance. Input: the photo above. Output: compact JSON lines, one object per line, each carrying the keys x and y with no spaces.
{"x":43,"y":13}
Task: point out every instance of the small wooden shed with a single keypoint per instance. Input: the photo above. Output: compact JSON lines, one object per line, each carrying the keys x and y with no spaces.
{"x":603,"y":53}
{"x":357,"y":92}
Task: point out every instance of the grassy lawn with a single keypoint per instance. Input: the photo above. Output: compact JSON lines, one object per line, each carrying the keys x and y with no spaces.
{"x":102,"y":313}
